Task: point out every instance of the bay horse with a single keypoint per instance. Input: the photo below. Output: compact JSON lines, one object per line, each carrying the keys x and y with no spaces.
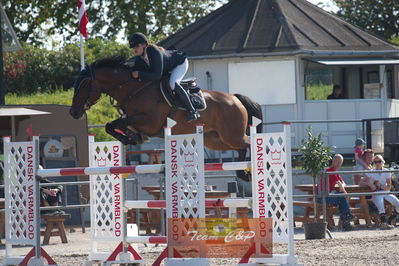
{"x":226,"y":118}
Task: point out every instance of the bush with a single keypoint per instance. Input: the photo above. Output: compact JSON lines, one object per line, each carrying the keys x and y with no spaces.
{"x":99,"y":114}
{"x":40,"y":70}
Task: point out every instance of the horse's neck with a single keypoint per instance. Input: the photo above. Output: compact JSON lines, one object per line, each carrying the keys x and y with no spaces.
{"x":128,"y":90}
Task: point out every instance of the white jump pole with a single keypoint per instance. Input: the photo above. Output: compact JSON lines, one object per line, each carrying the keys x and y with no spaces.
{"x":135,"y":169}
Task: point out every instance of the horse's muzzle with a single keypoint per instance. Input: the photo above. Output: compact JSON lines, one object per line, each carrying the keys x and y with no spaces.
{"x":76,"y":113}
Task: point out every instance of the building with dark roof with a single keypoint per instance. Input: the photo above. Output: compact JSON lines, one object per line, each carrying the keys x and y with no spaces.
{"x":287,"y":55}
{"x":263,"y":27}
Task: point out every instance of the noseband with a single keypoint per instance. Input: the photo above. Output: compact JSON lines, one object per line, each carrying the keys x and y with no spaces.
{"x":86,"y":77}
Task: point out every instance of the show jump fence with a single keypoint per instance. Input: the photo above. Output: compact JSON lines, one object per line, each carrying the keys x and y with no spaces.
{"x":184,"y":168}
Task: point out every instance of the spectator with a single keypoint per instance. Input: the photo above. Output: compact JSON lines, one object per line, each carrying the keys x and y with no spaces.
{"x":382,"y":182}
{"x":336,"y":180}
{"x":336,"y":94}
{"x":360,"y":164}
{"x":368,"y":158}
{"x":50,"y":196}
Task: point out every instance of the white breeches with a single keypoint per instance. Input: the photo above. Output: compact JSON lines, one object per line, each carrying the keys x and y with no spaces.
{"x":379,"y":202}
{"x":177,"y":74}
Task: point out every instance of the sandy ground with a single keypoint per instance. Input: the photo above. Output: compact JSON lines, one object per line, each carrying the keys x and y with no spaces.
{"x":363,"y":246}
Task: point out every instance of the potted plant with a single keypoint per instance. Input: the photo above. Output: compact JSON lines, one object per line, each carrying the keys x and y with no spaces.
{"x":314,"y":157}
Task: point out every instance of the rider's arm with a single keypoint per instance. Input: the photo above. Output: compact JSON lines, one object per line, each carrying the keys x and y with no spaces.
{"x":156,"y":65}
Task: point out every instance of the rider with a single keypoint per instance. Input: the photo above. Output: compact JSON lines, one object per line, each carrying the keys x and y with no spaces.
{"x":151,"y":62}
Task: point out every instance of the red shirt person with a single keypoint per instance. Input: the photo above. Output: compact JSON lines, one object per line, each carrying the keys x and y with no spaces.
{"x":340,"y":201}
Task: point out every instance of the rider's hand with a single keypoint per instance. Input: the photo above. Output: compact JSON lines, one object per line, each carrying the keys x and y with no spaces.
{"x":135,"y":74}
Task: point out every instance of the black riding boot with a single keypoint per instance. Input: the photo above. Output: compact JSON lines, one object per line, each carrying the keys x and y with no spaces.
{"x":183,"y":96}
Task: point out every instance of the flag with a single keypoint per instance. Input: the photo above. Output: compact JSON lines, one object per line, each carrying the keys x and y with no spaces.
{"x":82,"y":18}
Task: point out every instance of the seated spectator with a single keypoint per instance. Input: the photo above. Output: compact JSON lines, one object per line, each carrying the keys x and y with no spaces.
{"x":368,"y":158}
{"x":381,"y":182}
{"x":336,"y":180}
{"x":50,"y":196}
{"x":336,"y":94}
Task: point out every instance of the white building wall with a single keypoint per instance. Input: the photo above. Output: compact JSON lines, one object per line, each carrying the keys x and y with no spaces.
{"x":341,"y":135}
{"x":218,"y":72}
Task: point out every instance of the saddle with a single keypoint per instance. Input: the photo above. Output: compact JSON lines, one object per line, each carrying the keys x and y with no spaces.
{"x":195,"y":93}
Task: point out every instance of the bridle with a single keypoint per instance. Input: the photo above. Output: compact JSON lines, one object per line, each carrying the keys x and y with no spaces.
{"x":89,"y":77}
{"x":86,"y":80}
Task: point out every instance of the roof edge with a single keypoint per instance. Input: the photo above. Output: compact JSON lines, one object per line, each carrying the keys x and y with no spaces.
{"x":297,"y":52}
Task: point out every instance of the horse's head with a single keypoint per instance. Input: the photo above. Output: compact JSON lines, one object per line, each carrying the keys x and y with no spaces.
{"x":85,"y":94}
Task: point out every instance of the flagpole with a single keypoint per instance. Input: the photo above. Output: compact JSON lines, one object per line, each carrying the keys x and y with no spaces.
{"x":82,"y":53}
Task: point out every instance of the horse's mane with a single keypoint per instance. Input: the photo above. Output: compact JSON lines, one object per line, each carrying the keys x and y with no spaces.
{"x":111,"y":61}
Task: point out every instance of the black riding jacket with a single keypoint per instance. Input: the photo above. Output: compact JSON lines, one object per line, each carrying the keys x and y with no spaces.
{"x":161,"y":62}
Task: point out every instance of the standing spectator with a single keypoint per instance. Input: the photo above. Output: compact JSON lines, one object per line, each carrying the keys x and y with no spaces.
{"x":336,"y":94}
{"x":360,"y":164}
{"x":382,"y":182}
{"x":333,"y":181}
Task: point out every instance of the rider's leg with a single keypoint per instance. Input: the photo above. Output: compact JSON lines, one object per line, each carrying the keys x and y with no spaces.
{"x":183,"y":95}
{"x":176,"y":76}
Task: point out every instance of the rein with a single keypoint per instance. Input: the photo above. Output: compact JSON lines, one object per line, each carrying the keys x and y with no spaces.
{"x":133,"y":93}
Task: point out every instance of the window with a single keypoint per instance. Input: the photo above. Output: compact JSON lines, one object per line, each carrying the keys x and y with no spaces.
{"x":318,"y":83}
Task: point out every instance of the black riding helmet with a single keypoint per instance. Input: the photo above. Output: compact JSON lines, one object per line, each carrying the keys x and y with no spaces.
{"x":137,"y":38}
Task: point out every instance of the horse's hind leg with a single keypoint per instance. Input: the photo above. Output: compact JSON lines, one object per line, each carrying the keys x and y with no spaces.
{"x":243,"y":174}
{"x":212,"y":141}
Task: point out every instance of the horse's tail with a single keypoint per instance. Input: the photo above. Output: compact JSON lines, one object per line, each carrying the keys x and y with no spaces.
{"x":253,"y":109}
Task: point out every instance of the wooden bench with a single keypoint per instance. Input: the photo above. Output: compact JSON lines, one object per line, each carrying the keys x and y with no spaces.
{"x":54,"y":221}
{"x":154,"y":156}
{"x":359,"y":213}
{"x":309,"y":208}
{"x":149,"y":219}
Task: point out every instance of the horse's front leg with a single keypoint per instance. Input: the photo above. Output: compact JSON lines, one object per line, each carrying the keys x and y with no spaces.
{"x":119,"y":130}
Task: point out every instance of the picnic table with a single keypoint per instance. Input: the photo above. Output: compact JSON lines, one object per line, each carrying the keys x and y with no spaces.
{"x":361,"y":213}
{"x":155,"y":216}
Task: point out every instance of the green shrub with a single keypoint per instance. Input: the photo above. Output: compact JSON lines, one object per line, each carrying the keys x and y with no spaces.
{"x":40,"y":70}
{"x":41,"y":76}
{"x":99,"y":114}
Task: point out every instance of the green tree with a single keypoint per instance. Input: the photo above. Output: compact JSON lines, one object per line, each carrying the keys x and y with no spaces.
{"x":35,"y":20}
{"x":395,"y":40}
{"x":377,"y":16}
{"x":314,"y":157}
{"x":37,"y":69}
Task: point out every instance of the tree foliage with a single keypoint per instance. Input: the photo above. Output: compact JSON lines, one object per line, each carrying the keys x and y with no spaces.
{"x":35,"y":20}
{"x":314,"y":155}
{"x":377,"y":16}
{"x":36,"y":69}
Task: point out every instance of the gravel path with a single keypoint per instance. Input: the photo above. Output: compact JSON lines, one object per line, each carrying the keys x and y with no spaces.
{"x":364,"y":246}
